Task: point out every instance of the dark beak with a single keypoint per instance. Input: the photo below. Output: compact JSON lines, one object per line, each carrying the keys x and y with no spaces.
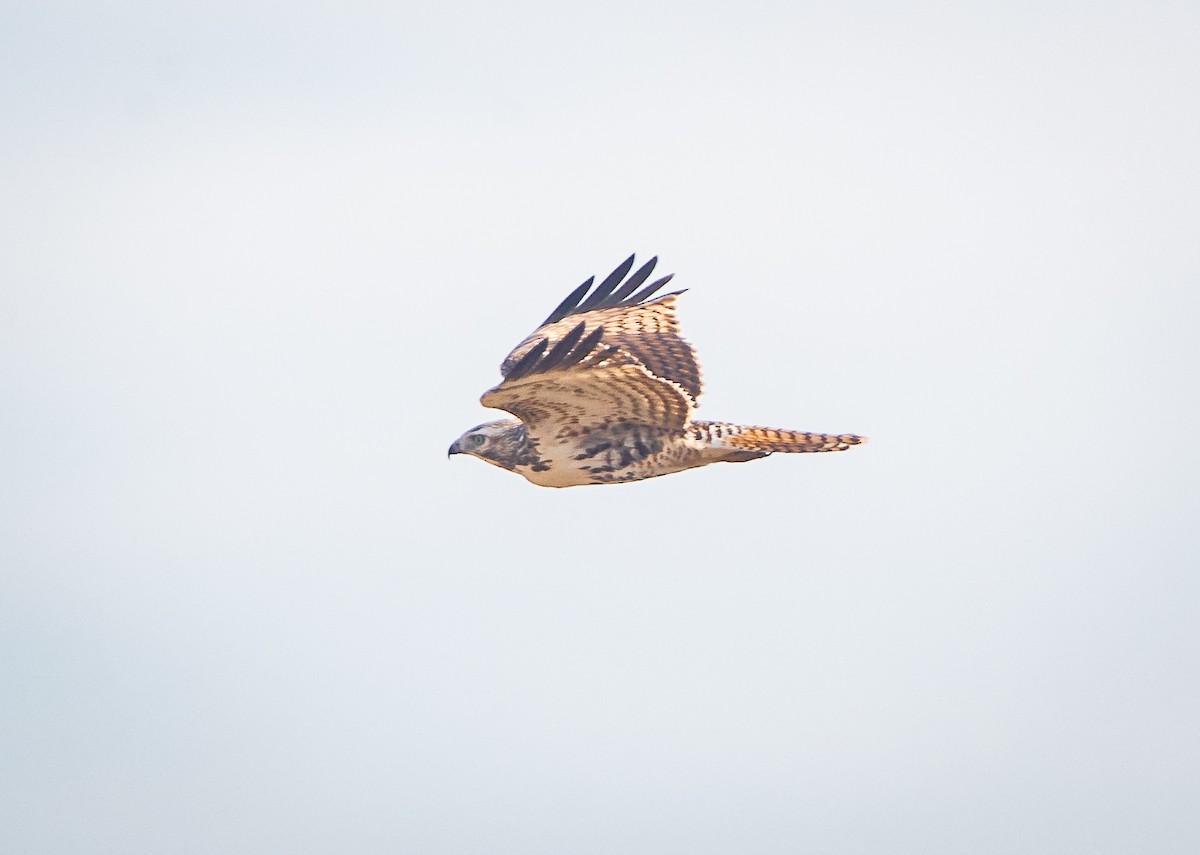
{"x":454,"y":449}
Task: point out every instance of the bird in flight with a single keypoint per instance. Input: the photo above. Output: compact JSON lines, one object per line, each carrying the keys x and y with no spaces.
{"x":604,"y":391}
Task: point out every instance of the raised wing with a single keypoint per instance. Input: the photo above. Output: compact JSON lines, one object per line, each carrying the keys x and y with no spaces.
{"x":646,"y":329}
{"x":579,"y":381}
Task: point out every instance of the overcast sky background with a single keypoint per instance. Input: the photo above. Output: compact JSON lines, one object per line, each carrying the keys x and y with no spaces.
{"x":260,"y":260}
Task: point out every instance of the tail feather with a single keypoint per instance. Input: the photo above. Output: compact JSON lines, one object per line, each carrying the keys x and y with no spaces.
{"x":763,"y":440}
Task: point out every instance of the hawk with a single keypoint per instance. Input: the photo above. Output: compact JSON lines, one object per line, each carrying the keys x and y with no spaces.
{"x":604,"y":391}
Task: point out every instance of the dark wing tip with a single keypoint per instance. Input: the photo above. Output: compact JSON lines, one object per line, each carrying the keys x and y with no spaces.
{"x":560,"y":350}
{"x":651,"y":288}
{"x":610,"y":293}
{"x":525,"y":364}
{"x":569,"y":350}
{"x":605,"y":288}
{"x":634,"y":281}
{"x":586,"y":346}
{"x":570,"y":305}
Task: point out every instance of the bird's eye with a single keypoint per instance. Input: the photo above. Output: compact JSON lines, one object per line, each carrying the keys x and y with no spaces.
{"x":477,"y":440}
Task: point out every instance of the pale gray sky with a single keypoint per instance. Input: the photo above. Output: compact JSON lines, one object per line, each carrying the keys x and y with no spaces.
{"x":260,"y":260}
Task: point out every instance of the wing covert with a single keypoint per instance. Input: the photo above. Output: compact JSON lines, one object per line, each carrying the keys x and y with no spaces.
{"x":646,"y":329}
{"x":580,"y":382}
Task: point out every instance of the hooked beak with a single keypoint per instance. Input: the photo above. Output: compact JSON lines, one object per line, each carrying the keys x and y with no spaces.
{"x":454,"y":449}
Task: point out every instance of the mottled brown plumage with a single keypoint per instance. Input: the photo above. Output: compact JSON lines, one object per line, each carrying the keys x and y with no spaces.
{"x":604,"y":391}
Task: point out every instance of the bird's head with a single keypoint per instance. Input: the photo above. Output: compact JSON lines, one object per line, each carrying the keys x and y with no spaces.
{"x":498,"y":443}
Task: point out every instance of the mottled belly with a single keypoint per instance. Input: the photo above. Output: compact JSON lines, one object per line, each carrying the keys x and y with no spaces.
{"x":617,"y":455}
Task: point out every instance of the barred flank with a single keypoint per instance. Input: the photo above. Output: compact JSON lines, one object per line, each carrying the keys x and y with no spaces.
{"x":751,"y":438}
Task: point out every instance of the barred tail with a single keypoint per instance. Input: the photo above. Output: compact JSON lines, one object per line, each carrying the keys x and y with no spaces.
{"x":747,"y":438}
